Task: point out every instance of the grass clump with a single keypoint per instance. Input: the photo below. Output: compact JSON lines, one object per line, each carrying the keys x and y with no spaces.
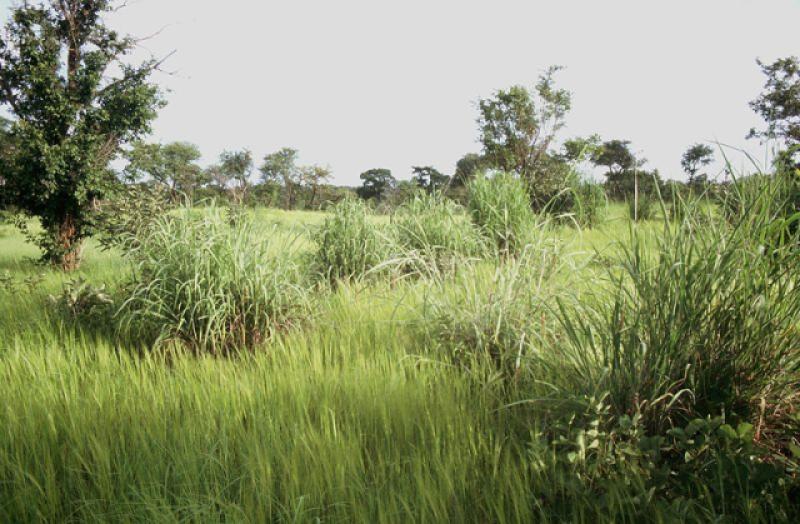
{"x":500,"y":207}
{"x":703,"y":324}
{"x":349,"y":244}
{"x":210,"y":287}
{"x":498,"y":317}
{"x":432,"y":231}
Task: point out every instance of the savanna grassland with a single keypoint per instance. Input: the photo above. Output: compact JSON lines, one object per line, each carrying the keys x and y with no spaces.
{"x":438,"y":365}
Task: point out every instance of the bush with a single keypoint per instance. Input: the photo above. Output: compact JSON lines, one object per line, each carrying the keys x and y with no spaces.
{"x":433,"y":231}
{"x":645,"y":210}
{"x":581,"y":205}
{"x":349,"y":244}
{"x":124,"y":219}
{"x":210,"y":287}
{"x":81,"y":301}
{"x":500,"y":207}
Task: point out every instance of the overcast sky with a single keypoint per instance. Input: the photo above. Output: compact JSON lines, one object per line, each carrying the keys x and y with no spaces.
{"x":358,"y":84}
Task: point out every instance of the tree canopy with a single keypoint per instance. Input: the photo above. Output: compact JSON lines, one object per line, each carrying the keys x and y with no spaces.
{"x":694,"y":159}
{"x":615,"y":155}
{"x":779,"y":103}
{"x":518,"y":126}
{"x":376,"y":183}
{"x":174,"y":165}
{"x":429,"y":178}
{"x":75,"y":101}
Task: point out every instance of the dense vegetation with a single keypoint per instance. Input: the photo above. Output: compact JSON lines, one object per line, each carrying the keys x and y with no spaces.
{"x":511,"y":343}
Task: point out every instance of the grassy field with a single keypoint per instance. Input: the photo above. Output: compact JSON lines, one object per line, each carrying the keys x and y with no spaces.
{"x":358,"y":413}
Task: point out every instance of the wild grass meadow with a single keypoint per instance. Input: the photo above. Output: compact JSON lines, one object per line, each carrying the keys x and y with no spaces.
{"x":550,"y":330}
{"x":628,"y":372}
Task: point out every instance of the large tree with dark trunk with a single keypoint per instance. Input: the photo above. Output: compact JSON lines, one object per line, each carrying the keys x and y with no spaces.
{"x":75,"y":101}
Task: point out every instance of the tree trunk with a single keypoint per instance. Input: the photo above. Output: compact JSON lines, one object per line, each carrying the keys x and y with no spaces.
{"x":69,"y":246}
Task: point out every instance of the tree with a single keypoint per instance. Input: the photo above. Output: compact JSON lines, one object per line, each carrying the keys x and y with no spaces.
{"x":466,"y":168}
{"x":6,"y":154}
{"x":375,"y":184}
{"x":616,"y":156}
{"x":173,"y":165}
{"x":313,"y":177}
{"x":429,"y":178}
{"x":218,"y":176}
{"x":693,"y":160}
{"x":75,"y":103}
{"x":622,"y":185}
{"x":779,"y":104}
{"x":518,"y":126}
{"x":237,"y":166}
{"x":280,"y":167}
{"x":581,"y":149}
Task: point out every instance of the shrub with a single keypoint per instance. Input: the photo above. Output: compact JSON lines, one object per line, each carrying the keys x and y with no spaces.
{"x":642,"y":208}
{"x":210,"y":287}
{"x":433,"y":231}
{"x":124,"y":219}
{"x":349,"y":244}
{"x":581,"y":204}
{"x":500,"y":207}
{"x":82,"y":301}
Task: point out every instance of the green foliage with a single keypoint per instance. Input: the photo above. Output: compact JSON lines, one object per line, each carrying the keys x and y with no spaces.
{"x":73,"y":109}
{"x":615,"y":155}
{"x":376,"y":183}
{"x":500,"y":208}
{"x":349,"y":244}
{"x":581,"y":203}
{"x":173,"y":165}
{"x":405,"y":191}
{"x":313,"y":178}
{"x":125,"y":218}
{"x":467,"y":168}
{"x":779,"y":104}
{"x":498,"y":318}
{"x":430,"y":179}
{"x":517,"y":129}
{"x":693,"y":321}
{"x":26,"y":285}
{"x":80,"y":300}
{"x":434,"y":234}
{"x":621,"y":185}
{"x":693,"y":160}
{"x":641,"y":209}
{"x":280,"y":168}
{"x":237,"y":167}
{"x":209,"y":287}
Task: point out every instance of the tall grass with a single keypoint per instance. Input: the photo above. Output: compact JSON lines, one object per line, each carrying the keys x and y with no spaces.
{"x":500,"y":207}
{"x":705,"y":323}
{"x":349,"y":244}
{"x":520,"y":388}
{"x":499,"y":316}
{"x":211,"y":287}
{"x":432,"y":231}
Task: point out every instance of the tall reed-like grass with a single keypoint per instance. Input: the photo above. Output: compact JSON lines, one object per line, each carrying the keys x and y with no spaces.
{"x":499,"y":205}
{"x":433,"y":231}
{"x":497,"y":316}
{"x":704,"y":323}
{"x":349,"y":244}
{"x":211,"y":287}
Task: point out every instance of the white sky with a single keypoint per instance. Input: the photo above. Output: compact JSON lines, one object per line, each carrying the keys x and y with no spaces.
{"x":358,"y":84}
